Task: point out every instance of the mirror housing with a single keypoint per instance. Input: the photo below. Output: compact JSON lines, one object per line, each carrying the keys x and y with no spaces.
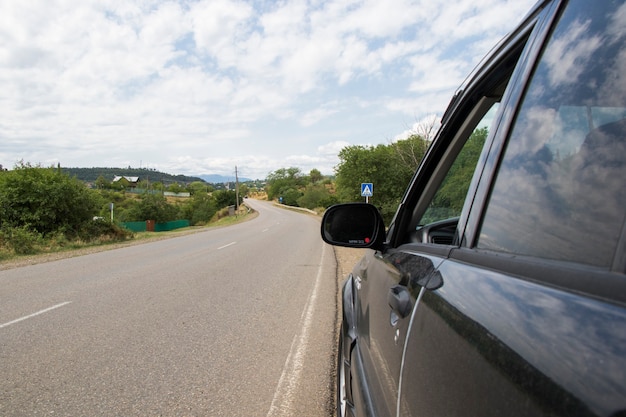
{"x":354,"y":225}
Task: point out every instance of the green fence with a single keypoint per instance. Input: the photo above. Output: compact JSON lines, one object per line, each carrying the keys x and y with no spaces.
{"x":134,"y":226}
{"x":166,"y":227}
{"x":158,"y":227}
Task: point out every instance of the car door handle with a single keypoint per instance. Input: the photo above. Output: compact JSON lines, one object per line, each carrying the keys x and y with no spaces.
{"x":399,"y":300}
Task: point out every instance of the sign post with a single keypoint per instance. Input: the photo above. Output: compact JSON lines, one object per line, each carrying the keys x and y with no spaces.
{"x":367,"y":191}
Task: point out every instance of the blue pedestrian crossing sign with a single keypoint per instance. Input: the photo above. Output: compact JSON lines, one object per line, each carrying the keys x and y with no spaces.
{"x":367,"y":189}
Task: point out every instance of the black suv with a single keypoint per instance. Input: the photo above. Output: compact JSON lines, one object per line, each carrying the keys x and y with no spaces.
{"x":499,"y":288}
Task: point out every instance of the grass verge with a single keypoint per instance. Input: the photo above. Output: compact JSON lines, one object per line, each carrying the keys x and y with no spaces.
{"x":49,"y":252}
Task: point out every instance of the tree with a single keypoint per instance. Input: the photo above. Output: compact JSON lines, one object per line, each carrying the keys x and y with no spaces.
{"x":426,"y":128}
{"x":199,"y":187}
{"x":200,"y":208}
{"x":316,"y":195}
{"x":456,"y":184}
{"x":153,"y":207}
{"x":410,"y":151}
{"x":158,"y":186}
{"x":283,"y":179}
{"x":45,"y":200}
{"x":389,"y":167}
{"x":175,"y":188}
{"x":315,"y":176}
{"x":244,"y":190}
{"x":102,"y":183}
{"x":224,"y":198}
{"x":291,"y":196}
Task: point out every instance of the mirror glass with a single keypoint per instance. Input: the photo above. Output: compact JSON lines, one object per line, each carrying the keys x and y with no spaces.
{"x":353,"y":225}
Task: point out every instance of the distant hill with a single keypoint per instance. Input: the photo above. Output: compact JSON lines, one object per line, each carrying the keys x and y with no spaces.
{"x":92,"y":174}
{"x":216,"y":179}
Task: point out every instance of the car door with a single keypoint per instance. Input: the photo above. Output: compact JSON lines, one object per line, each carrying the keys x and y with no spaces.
{"x":383,"y":308}
{"x":528,"y":317}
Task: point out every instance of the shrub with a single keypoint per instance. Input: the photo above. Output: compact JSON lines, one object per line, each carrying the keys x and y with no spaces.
{"x":291,"y":196}
{"x":44,"y":200}
{"x":23,"y":240}
{"x":102,"y":230}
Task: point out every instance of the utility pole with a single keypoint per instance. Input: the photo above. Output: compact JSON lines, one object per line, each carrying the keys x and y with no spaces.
{"x":236,"y":190}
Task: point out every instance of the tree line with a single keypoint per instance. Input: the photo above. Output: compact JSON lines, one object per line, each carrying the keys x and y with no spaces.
{"x":389,"y":167}
{"x":90,"y":175}
{"x":48,"y":207}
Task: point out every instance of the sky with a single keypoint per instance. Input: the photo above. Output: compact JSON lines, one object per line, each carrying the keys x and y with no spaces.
{"x":199,"y":87}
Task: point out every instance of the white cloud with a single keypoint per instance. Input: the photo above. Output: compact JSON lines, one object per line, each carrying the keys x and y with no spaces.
{"x":218,"y":25}
{"x":333,"y":148}
{"x":426,"y":128}
{"x":199,"y":87}
{"x":314,"y":116}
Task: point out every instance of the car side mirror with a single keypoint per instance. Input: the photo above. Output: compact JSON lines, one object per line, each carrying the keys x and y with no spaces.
{"x":353,"y":225}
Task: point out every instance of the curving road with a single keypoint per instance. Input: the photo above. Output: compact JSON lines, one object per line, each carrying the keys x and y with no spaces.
{"x":237,"y":321}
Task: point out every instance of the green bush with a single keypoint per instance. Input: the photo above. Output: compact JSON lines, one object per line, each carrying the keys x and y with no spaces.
{"x":57,"y":240}
{"x":44,"y":200}
{"x":199,"y":209}
{"x":102,"y":230}
{"x":151,"y":207}
{"x":315,"y":195}
{"x":291,"y":196}
{"x":22,"y":240}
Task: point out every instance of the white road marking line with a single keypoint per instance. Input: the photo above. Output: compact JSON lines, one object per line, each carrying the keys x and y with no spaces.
{"x":225,"y":246}
{"x":34,"y":314}
{"x":292,"y":370}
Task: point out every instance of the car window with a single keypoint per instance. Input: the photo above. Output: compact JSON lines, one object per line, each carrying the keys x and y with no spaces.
{"x":560,"y":192}
{"x":449,"y":198}
{"x":460,"y":144}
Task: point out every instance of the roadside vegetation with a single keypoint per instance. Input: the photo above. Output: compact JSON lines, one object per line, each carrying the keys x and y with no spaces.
{"x":47,"y":210}
{"x":389,"y":167}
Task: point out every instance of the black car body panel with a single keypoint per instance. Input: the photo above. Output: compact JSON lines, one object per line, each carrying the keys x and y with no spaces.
{"x":555,"y":352}
{"x":510,"y":300}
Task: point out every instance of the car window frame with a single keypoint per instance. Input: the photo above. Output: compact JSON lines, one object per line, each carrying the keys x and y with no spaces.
{"x":596,"y":282}
{"x":454,"y":132}
{"x":618,"y":262}
{"x":448,"y":158}
{"x":540,"y":24}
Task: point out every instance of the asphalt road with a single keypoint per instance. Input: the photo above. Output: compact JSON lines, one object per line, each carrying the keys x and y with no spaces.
{"x":236,"y":321}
